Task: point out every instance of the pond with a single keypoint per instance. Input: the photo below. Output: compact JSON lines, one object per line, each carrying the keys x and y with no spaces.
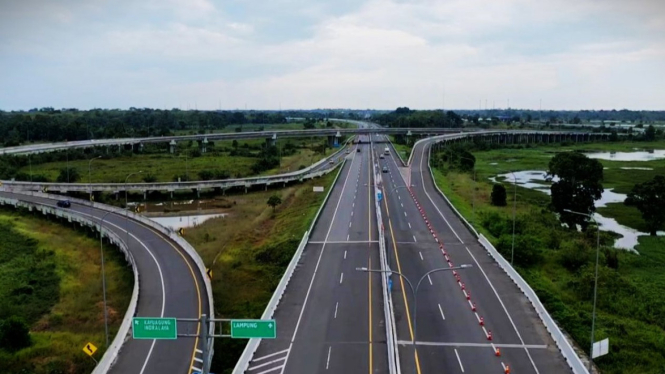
{"x":650,"y":155}
{"x":176,"y":222}
{"x":537,"y":180}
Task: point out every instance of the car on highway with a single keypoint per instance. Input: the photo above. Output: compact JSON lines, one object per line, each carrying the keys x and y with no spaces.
{"x":331,"y":161}
{"x":64,"y":203}
{"x":357,"y":149}
{"x":381,"y":156}
{"x":385,"y":169}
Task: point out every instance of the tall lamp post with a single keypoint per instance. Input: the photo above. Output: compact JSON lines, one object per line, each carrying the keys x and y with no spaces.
{"x":512,"y":251}
{"x":127,"y":208}
{"x":415,"y":296}
{"x":595,"y":283}
{"x":101,"y":251}
{"x":89,"y":173}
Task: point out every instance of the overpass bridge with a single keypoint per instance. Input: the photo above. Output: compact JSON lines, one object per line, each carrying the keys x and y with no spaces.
{"x":318,"y":169}
{"x":334,"y":136}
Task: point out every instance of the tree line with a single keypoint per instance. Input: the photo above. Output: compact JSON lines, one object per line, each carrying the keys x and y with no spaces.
{"x":52,"y":125}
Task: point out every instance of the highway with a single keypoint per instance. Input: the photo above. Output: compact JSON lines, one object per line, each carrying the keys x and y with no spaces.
{"x":330,"y":319}
{"x":170,"y":285}
{"x":449,"y":333}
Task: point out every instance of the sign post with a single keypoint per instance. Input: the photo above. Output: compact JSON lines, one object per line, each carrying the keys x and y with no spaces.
{"x":253,"y":328}
{"x":154,"y":328}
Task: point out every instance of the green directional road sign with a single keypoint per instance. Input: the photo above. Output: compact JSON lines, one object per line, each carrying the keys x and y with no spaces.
{"x":253,"y":328}
{"x":154,"y":328}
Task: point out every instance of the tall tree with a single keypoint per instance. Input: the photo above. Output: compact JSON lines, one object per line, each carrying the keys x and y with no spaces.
{"x":650,"y":133}
{"x":498,"y":195}
{"x":649,"y":199}
{"x":578,"y":187}
{"x":273,"y":201}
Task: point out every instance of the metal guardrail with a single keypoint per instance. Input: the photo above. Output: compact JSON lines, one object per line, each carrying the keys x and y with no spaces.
{"x":48,"y":147}
{"x":566,"y":349}
{"x":300,"y":175}
{"x":159,"y":228}
{"x":112,"y":351}
{"x":388,"y":311}
{"x":253,"y":344}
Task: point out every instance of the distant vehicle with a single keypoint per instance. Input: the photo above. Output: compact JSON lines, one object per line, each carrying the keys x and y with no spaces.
{"x":381,"y":156}
{"x":385,"y":169}
{"x":357,"y":149}
{"x":386,"y":151}
{"x":348,"y":151}
{"x":331,"y":161}
{"x":64,"y":203}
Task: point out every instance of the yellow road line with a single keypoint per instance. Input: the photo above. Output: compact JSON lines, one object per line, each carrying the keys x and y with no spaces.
{"x":198,"y":294}
{"x":369,"y":266}
{"x":399,"y":268}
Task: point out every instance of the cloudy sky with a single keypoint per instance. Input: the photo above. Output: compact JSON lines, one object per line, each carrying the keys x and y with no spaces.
{"x":267,"y":54}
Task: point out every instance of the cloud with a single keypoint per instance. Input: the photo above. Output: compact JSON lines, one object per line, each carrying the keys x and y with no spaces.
{"x":316,"y":53}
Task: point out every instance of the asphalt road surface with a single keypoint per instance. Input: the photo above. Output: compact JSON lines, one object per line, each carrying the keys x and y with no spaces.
{"x":450,"y":336}
{"x":170,"y":286}
{"x":330,"y":319}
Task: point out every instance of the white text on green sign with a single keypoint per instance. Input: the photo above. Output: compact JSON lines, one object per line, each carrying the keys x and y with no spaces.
{"x":253,"y":328}
{"x":154,"y":328}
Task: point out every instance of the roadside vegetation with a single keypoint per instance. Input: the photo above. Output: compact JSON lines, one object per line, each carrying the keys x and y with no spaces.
{"x":249,"y":250}
{"x":51,"y":295}
{"x":558,"y":262}
{"x":223,"y":159}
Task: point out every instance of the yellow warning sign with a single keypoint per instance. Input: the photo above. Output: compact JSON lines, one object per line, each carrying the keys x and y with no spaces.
{"x":90,"y":349}
{"x":209,"y":272}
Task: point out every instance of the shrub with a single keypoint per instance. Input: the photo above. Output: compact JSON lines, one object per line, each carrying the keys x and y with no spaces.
{"x":14,"y":334}
{"x":498,"y":195}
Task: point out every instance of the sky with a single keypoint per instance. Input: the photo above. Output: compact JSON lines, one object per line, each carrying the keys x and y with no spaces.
{"x":306,"y":54}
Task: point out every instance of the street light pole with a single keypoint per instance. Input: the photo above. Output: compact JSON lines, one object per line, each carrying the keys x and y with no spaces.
{"x":89,"y":173}
{"x":595,"y":283}
{"x":127,"y":208}
{"x":512,"y":250}
{"x":415,"y":297}
{"x":101,"y":251}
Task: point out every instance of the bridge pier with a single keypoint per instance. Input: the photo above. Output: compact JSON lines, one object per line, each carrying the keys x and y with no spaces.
{"x":172,"y":146}
{"x":140,"y":147}
{"x":204,"y":145}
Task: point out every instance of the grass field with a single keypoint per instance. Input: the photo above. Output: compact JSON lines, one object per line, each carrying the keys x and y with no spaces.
{"x":630,"y":303}
{"x":249,"y":251}
{"x":63,"y":306}
{"x":164,"y":166}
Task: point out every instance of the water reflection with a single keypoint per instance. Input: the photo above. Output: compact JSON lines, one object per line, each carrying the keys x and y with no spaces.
{"x":177,"y":222}
{"x":649,"y":155}
{"x":538,"y":180}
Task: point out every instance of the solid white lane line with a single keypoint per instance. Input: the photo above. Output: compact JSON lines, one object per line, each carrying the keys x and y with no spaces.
{"x":341,"y":278}
{"x":441,"y":310}
{"x":273,"y":369}
{"x":414,"y":239}
{"x":267,"y":363}
{"x":328,"y":360}
{"x":262,"y":357}
{"x":316,"y":268}
{"x":458,"y":360}
{"x":336,"y":305}
{"x":430,"y":280}
{"x":345,"y":254}
{"x":422,"y":178}
{"x":421,"y":255}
